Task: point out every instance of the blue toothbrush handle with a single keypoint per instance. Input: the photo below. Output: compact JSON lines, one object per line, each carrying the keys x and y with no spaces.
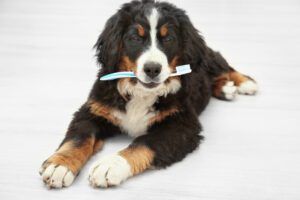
{"x":117,"y":75}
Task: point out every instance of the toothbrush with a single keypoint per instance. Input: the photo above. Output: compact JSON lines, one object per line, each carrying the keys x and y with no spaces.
{"x":180,"y":70}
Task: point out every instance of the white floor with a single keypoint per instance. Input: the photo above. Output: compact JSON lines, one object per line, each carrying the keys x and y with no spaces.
{"x":252,"y":146}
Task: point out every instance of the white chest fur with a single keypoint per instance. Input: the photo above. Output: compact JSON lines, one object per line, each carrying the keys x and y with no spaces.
{"x":138,"y":113}
{"x":139,"y":110}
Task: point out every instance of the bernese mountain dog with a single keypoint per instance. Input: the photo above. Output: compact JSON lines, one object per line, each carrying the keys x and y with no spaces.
{"x":160,"y":112}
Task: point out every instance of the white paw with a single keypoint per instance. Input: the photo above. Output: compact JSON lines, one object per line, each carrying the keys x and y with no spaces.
{"x":109,"y":171}
{"x":57,"y":176}
{"x":229,"y":90}
{"x":248,"y":87}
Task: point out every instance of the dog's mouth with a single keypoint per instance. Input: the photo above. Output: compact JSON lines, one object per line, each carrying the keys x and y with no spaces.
{"x":149,"y":85}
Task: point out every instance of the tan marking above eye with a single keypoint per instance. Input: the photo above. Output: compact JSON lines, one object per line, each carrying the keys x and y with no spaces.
{"x":163,"y":30}
{"x":141,"y":30}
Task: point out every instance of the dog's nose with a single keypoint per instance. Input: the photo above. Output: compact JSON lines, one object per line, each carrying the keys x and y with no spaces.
{"x":152,"y":69}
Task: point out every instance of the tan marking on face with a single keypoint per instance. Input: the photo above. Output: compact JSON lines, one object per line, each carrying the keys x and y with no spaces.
{"x":161,"y":115}
{"x":73,"y":156}
{"x":104,"y":111}
{"x":173,"y":64}
{"x":139,"y":158}
{"x":163,"y":30}
{"x":141,"y":30}
{"x":127,"y":65}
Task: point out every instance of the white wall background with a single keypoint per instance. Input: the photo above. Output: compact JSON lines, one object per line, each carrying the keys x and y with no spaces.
{"x":252,"y":146}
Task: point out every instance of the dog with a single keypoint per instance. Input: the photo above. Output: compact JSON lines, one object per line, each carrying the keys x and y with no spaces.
{"x":160,"y":112}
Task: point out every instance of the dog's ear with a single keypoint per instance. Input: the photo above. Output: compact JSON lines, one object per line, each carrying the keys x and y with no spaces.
{"x":194,"y":47}
{"x":109,"y":44}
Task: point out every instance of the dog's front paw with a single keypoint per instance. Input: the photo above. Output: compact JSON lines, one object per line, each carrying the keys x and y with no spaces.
{"x":56,"y":176}
{"x":109,"y":171}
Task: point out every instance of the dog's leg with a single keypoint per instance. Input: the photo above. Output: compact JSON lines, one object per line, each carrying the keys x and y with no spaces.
{"x":84,"y":137}
{"x":245,"y":84}
{"x":61,"y":168}
{"x":226,"y":81}
{"x":165,"y":144}
{"x":228,"y":84}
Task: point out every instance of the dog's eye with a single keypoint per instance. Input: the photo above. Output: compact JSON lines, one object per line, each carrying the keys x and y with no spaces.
{"x":136,"y":38}
{"x":168,"y":38}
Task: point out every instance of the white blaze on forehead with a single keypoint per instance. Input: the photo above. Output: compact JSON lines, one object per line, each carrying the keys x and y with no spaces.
{"x":153,"y":20}
{"x":153,"y":53}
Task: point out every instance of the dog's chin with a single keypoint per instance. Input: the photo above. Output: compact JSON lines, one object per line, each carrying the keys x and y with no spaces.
{"x":150,"y":85}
